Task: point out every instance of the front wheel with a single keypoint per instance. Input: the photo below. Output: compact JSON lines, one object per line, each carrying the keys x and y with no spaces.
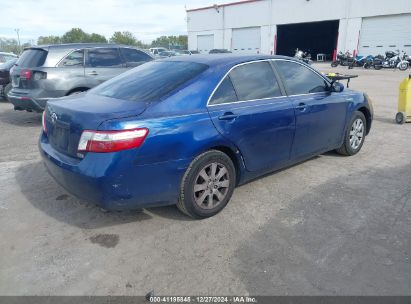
{"x":354,"y":136}
{"x":207,"y":185}
{"x":334,"y":64}
{"x":403,"y":66}
{"x":400,"y":118}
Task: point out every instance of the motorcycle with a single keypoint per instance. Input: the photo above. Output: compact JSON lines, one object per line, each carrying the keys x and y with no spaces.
{"x":392,"y":60}
{"x":344,"y":59}
{"x":360,"y":61}
{"x":303,"y":56}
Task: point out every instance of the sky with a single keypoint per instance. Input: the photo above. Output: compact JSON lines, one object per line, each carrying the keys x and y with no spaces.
{"x":146,"y":19}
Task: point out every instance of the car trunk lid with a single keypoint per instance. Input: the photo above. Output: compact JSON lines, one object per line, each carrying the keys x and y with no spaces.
{"x":66,"y":118}
{"x":22,"y":74}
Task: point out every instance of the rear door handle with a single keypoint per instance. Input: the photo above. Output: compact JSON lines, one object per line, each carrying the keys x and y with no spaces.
{"x":302,"y":106}
{"x":93,"y":73}
{"x":228,"y":116}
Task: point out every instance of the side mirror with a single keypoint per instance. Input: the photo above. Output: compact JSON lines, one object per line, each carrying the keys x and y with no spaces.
{"x":337,"y":87}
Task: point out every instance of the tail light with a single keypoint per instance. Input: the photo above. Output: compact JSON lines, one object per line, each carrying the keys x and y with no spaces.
{"x":25,"y":74}
{"x":35,"y":75}
{"x":111,"y":141}
{"x":43,"y":121}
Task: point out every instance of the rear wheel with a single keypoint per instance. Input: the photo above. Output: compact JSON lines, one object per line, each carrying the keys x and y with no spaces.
{"x":7,"y":89}
{"x":354,"y":136}
{"x":207,"y":185}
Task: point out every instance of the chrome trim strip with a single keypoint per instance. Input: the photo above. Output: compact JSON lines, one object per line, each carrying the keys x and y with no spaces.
{"x":262,"y":60}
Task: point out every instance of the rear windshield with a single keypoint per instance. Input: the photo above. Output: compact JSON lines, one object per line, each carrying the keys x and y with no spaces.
{"x":150,"y":81}
{"x":32,"y":58}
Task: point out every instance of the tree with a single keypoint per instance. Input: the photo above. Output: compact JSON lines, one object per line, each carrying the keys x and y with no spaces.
{"x":97,"y":38}
{"x":125,"y":37}
{"x":75,"y":35}
{"x":9,"y":46}
{"x":48,"y":40}
{"x":171,"y":42}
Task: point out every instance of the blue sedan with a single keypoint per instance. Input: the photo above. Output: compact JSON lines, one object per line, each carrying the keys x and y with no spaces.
{"x":188,"y":130}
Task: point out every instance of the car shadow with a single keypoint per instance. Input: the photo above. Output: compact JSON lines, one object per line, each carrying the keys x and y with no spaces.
{"x":346,"y":236}
{"x":20,"y":118}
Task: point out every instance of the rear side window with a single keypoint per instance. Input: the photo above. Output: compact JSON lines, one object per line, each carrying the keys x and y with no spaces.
{"x":75,"y":59}
{"x":134,"y":56}
{"x":151,"y":81}
{"x":225,"y":93}
{"x":32,"y":58}
{"x":104,"y":57}
{"x":255,"y":81}
{"x":300,"y":79}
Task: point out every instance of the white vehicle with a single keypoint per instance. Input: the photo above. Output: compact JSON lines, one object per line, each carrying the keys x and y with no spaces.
{"x":157,"y":50}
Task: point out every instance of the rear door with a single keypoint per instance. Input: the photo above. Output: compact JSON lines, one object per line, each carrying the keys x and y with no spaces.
{"x":249,"y":109}
{"x":103,"y":64}
{"x":133,"y":57}
{"x":320,"y":114}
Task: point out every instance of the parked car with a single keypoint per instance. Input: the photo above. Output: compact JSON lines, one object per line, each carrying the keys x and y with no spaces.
{"x":219,"y":51}
{"x":5,"y":84}
{"x":185,"y":52}
{"x":4,"y":57}
{"x":166,"y":54}
{"x":194,"y":52}
{"x":157,"y":50}
{"x":44,"y":72}
{"x":187,"y":130}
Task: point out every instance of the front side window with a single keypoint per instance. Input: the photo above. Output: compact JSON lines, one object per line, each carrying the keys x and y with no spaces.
{"x":74,"y":59}
{"x":300,"y":79}
{"x":104,"y":57}
{"x":225,"y":93}
{"x":255,"y":81}
{"x":151,"y":81}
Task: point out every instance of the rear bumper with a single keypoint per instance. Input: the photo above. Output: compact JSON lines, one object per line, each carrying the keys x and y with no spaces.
{"x":32,"y":100}
{"x":112,"y":180}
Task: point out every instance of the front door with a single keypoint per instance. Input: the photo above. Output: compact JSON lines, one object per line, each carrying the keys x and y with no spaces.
{"x":103,"y":64}
{"x":250,"y":110}
{"x":320,"y":114}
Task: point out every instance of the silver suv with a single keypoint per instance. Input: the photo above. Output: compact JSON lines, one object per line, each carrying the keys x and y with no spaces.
{"x":44,"y":72}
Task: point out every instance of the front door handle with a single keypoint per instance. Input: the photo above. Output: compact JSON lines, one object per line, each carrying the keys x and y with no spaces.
{"x":302,"y":106}
{"x":228,"y":116}
{"x":93,"y":73}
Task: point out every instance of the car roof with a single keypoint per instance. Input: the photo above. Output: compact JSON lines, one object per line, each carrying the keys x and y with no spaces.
{"x":78,"y":45}
{"x":217,"y":59}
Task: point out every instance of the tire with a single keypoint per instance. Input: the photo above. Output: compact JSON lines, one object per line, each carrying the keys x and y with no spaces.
{"x":377,"y":67}
{"x":367,"y":65}
{"x":354,"y":136}
{"x":403,"y":66}
{"x":200,"y":195}
{"x":334,"y":64}
{"x":400,"y":118}
{"x":7,"y":89}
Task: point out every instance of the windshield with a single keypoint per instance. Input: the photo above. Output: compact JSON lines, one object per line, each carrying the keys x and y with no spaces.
{"x":151,"y":81}
{"x":32,"y":58}
{"x":8,"y":64}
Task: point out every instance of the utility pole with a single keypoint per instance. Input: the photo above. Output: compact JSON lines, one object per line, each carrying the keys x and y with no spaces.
{"x":18,"y":39}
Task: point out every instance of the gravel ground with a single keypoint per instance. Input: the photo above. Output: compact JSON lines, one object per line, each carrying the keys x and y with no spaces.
{"x":330,"y":226}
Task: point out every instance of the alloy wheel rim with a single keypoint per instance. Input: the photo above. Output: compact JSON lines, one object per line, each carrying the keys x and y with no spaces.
{"x":356,"y":133}
{"x":211,"y":185}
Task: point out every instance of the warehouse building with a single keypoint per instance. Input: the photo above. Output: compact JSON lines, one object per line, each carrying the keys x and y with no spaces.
{"x":319,"y":26}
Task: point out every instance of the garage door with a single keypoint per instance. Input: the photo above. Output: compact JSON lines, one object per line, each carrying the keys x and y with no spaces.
{"x":246,"y":40}
{"x":205,"y":43}
{"x":380,"y":34}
